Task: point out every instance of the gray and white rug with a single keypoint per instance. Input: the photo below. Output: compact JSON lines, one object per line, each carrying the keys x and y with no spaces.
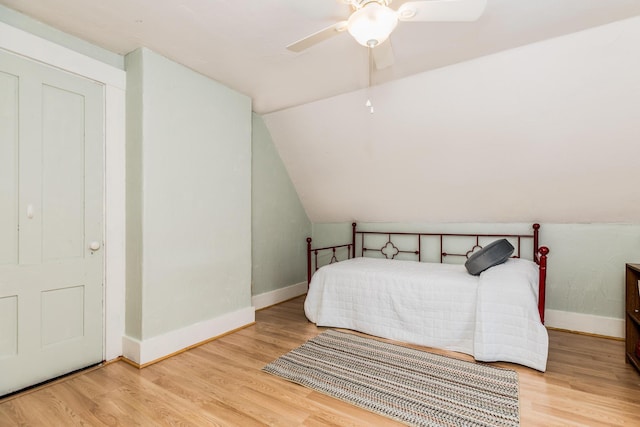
{"x":411,"y":386}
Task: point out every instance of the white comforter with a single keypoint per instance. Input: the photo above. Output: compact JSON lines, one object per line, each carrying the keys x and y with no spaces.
{"x":493,"y":317}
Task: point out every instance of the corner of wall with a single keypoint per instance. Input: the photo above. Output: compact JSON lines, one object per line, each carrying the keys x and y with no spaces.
{"x":148,"y":351}
{"x":267,"y":299}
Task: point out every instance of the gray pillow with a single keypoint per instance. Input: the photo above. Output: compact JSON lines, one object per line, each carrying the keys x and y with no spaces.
{"x":493,"y":254}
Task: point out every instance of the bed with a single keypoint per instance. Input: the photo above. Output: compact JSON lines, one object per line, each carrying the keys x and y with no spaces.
{"x":413,"y":287}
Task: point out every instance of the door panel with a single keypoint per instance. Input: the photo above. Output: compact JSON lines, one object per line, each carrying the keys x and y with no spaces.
{"x":62,"y":315}
{"x":51,"y":311}
{"x":8,"y":168}
{"x":62,"y":174}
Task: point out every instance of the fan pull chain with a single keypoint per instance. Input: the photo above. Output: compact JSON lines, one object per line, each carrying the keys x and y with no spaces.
{"x":368,"y":104}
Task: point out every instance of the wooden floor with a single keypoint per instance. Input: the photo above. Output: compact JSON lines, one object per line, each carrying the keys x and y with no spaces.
{"x":220,"y":383}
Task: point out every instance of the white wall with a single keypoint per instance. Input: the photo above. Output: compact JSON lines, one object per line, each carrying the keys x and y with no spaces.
{"x":544,"y":133}
{"x":547,"y":132}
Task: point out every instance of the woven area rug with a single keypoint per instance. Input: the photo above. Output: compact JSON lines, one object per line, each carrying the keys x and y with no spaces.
{"x":411,"y":386}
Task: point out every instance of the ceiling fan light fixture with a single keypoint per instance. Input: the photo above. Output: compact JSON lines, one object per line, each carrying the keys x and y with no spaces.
{"x":372,"y":24}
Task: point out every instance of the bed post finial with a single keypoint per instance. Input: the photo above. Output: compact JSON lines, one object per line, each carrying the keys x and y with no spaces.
{"x":353,"y":240}
{"x":308,"y":261}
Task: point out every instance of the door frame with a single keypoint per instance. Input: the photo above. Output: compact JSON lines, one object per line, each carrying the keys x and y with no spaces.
{"x":27,"y":45}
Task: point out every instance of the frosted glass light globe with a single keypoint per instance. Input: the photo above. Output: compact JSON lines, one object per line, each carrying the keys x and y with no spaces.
{"x":372,"y":24}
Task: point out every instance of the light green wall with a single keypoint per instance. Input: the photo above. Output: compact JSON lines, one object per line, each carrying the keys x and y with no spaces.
{"x":37,"y":28}
{"x":279,"y":223}
{"x":589,"y":262}
{"x":195,"y":207}
{"x":133,"y":237}
{"x":585,"y":266}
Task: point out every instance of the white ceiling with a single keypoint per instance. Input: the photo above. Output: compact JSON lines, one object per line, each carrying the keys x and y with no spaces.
{"x":241,"y":43}
{"x":546,"y":132}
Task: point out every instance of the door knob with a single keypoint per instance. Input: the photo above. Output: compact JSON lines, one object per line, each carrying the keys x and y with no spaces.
{"x":94,"y":246}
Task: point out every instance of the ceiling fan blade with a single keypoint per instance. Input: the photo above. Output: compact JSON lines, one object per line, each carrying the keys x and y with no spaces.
{"x":442,"y":10}
{"x":383,"y":55}
{"x":318,"y":37}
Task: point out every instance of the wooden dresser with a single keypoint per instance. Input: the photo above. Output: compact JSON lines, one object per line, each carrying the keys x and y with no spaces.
{"x":632,"y":318}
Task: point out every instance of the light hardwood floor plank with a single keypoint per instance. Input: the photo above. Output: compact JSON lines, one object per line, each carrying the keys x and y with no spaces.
{"x":221,"y":384}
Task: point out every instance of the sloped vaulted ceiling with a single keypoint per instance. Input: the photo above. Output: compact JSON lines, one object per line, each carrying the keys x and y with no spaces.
{"x":547,"y":132}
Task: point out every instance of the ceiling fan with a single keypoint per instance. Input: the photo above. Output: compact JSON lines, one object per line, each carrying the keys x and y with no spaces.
{"x":372,"y":21}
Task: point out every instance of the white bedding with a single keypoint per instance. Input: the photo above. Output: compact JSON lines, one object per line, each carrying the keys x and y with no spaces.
{"x":493,"y":317}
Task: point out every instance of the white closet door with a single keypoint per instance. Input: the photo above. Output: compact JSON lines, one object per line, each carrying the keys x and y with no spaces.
{"x":51,"y":210}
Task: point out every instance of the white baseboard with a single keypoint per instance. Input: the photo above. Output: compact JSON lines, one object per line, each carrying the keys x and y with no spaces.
{"x":588,"y":323}
{"x":274,"y":297}
{"x":152,"y":349}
